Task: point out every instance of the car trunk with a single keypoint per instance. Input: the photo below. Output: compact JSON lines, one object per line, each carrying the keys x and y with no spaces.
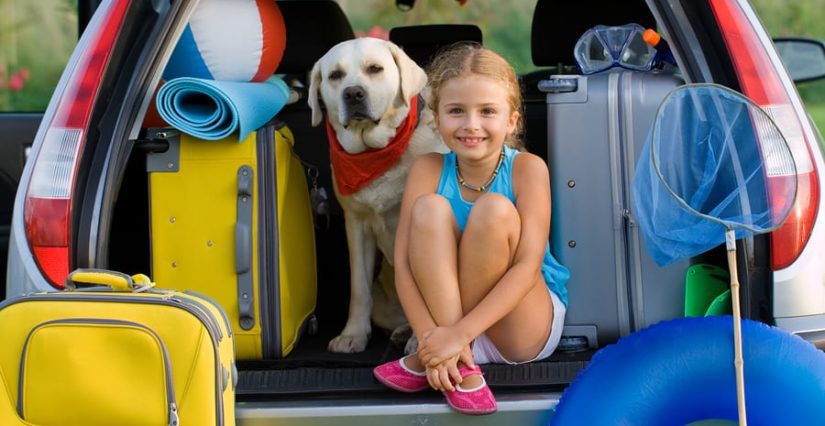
{"x":311,"y":370}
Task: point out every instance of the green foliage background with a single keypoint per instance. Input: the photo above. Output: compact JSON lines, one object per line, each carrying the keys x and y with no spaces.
{"x":39,"y":35}
{"x":791,"y":18}
{"x":506,"y":27}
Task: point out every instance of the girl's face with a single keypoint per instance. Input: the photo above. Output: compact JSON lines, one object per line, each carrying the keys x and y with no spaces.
{"x":474,"y":116}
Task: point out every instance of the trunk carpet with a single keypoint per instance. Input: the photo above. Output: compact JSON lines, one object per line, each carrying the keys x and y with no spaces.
{"x":311,"y":369}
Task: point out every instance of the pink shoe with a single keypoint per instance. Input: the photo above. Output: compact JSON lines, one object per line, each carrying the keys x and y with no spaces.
{"x":396,"y":375}
{"x":478,"y":400}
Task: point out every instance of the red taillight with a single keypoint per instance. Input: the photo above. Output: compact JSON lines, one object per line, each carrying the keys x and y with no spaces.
{"x":760,"y":80}
{"x":47,"y":225}
{"x":48,"y":206}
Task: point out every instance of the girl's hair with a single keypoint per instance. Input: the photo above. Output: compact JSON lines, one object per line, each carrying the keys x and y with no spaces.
{"x":463,"y":59}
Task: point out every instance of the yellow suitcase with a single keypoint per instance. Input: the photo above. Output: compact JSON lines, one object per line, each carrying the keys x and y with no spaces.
{"x":233,"y":220}
{"x":117,"y":353}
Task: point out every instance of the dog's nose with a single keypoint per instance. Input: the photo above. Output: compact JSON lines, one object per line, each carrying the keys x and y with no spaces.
{"x":354,"y":94}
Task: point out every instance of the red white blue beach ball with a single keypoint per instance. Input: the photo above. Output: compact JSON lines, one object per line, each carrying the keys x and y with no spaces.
{"x":230,"y":40}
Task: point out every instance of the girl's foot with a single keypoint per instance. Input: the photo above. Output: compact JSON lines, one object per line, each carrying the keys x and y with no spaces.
{"x":470,"y":378}
{"x":401,"y":376}
{"x":472,"y":399}
{"x":413,"y":363}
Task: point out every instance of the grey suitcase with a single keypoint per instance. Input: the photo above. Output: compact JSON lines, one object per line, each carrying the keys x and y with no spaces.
{"x":597,"y":125}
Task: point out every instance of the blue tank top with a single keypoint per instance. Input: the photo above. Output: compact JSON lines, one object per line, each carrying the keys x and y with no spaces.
{"x":555,"y":275}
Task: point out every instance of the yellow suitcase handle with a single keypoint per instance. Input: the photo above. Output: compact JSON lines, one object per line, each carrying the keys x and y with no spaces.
{"x":117,"y":281}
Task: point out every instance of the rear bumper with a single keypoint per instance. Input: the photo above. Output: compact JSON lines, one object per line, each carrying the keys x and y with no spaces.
{"x":810,"y":328}
{"x":428,"y":408}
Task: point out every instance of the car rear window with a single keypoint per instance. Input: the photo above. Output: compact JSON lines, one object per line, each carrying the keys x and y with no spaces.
{"x":505,"y":26}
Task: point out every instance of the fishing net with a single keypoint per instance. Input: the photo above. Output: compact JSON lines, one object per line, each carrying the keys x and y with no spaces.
{"x":713,"y":161}
{"x":714,"y":168}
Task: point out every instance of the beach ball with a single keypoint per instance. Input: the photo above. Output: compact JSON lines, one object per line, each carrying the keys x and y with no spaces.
{"x":231,"y":40}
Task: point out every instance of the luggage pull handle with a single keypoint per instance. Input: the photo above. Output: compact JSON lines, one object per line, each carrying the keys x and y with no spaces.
{"x":93,"y":279}
{"x":243,"y":247}
{"x":556,"y":84}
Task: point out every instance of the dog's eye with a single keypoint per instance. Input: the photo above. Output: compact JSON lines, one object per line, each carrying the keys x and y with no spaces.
{"x":336,"y":75}
{"x":374,"y":69}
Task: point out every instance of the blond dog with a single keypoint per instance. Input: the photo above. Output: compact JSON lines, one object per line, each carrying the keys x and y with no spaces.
{"x":370,"y":88}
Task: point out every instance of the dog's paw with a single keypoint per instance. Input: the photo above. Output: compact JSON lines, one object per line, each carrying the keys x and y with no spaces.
{"x":348,"y":344}
{"x":401,"y":334}
{"x":411,"y":346}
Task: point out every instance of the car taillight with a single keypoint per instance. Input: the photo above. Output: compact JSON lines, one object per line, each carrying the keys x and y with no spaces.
{"x":760,"y":80}
{"x":48,"y":204}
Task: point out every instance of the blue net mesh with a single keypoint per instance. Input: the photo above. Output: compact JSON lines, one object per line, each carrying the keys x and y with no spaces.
{"x":713,"y":161}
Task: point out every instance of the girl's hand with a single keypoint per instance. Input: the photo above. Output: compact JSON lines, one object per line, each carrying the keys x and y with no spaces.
{"x":439,"y":345}
{"x":442,"y":376}
{"x":446,"y":375}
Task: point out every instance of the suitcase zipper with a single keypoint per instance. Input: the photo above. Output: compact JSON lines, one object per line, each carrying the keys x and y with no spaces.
{"x":225,"y":317}
{"x":155,"y":297}
{"x":208,"y":319}
{"x":213,"y":322}
{"x":616,"y":147}
{"x":171,"y":403}
{"x":269,"y":282}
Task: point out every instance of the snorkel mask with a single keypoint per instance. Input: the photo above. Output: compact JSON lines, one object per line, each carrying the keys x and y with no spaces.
{"x":603,"y":47}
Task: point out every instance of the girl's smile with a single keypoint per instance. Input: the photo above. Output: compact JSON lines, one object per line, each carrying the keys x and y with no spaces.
{"x":471,"y":141}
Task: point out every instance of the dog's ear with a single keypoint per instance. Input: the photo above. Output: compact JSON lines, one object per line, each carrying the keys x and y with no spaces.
{"x":314,"y":90}
{"x":413,"y":77}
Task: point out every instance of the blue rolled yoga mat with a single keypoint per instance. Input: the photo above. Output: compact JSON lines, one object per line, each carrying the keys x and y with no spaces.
{"x":213,"y":110}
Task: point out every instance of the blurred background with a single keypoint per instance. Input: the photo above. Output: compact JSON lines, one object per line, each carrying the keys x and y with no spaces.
{"x":506,"y":28}
{"x":37,"y":37}
{"x":792,"y":19}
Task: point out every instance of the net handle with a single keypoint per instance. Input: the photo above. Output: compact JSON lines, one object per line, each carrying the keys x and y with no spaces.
{"x":738,"y":360}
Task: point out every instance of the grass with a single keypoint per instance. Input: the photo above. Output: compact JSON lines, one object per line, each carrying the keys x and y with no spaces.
{"x":817,"y":111}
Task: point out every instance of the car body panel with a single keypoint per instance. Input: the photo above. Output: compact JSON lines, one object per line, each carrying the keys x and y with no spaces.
{"x":796,"y":293}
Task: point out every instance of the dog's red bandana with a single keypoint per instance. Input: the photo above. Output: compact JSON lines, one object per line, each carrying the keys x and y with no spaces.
{"x":355,"y":171}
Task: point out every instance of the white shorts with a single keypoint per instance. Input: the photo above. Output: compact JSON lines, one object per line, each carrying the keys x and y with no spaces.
{"x":485,"y":352}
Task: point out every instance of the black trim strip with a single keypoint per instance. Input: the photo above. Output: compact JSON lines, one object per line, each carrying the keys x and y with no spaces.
{"x":269,"y":283}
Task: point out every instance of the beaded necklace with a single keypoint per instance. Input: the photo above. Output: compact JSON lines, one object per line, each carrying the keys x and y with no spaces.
{"x":485,"y":185}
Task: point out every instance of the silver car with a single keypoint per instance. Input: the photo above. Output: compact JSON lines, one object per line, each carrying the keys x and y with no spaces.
{"x":83,"y":197}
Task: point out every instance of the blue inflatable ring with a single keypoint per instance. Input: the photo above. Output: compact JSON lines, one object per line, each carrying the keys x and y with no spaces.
{"x":681,"y":371}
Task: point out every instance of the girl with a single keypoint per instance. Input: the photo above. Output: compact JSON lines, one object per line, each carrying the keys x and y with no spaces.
{"x":472,"y":263}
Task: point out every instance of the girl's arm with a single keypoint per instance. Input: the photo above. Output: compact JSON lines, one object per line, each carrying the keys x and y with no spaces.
{"x":422,"y":179}
{"x":531,"y":186}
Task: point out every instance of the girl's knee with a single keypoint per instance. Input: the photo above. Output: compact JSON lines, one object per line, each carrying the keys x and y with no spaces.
{"x":429,"y":210}
{"x":493,"y":210}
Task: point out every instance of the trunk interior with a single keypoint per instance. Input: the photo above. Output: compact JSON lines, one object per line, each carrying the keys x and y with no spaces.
{"x":310,"y":368}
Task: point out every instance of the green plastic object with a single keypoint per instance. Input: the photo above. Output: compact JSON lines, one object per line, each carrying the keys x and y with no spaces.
{"x":721,"y":305}
{"x":707,"y":291}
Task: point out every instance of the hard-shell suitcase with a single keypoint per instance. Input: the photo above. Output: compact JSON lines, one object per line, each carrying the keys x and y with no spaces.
{"x":233,"y":220}
{"x":119,"y":353}
{"x":597,"y":125}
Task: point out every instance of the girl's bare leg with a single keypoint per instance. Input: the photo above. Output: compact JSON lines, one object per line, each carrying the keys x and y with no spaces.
{"x":439,"y":255}
{"x":485,"y":253}
{"x":433,"y":259}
